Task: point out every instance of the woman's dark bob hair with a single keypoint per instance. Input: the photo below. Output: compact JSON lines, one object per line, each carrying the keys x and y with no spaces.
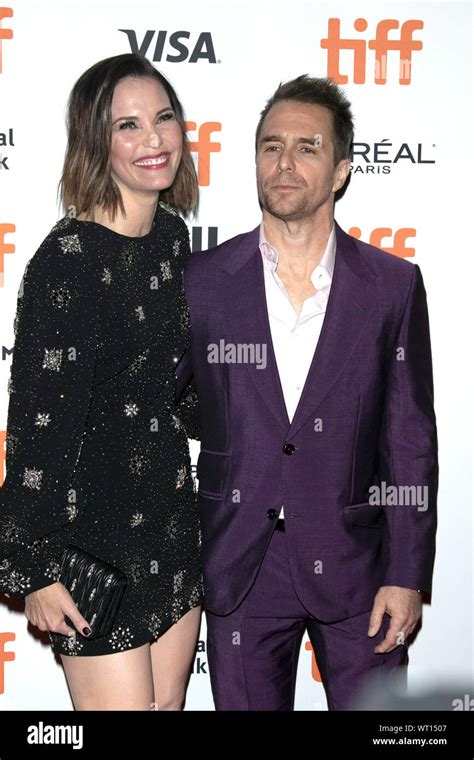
{"x":86,"y":180}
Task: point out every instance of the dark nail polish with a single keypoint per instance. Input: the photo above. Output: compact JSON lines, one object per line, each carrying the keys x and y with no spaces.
{"x":87,"y":631}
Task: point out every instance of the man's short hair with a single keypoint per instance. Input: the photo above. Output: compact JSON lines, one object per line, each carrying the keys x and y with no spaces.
{"x":319,"y":92}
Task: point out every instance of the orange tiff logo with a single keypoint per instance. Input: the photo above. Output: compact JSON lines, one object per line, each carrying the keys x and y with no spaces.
{"x":315,"y":674}
{"x":400,"y":237}
{"x":204,"y":146}
{"x":382,"y":45}
{"x":5,"y":657}
{"x":5,"y":229}
{"x":5,"y":34}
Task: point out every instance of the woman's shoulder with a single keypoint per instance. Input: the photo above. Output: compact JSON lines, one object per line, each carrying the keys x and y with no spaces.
{"x":169,"y":216}
{"x":65,"y":250}
{"x":169,"y":222}
{"x":65,"y":237}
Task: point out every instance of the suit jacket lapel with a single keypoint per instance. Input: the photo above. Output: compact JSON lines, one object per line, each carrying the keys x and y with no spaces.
{"x":248,"y":320}
{"x":349,"y":309}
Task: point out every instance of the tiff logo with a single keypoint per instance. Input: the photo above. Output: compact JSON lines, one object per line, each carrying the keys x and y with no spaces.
{"x":5,"y":229}
{"x":382,"y":45}
{"x":5,"y":657}
{"x":204,"y":146}
{"x":400,"y":236}
{"x":315,"y":673}
{"x":5,"y":34}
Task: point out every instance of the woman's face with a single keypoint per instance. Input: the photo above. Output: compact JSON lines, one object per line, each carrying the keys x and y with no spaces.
{"x":147,"y":141}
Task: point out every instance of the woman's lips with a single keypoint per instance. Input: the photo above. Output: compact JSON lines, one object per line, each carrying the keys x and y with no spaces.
{"x":160,"y":161}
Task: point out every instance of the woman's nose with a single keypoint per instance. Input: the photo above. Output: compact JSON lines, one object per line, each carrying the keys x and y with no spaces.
{"x":153,"y":139}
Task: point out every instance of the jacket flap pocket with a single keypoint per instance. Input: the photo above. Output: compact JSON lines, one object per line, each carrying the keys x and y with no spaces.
{"x":365,"y":514}
{"x":212,"y":471}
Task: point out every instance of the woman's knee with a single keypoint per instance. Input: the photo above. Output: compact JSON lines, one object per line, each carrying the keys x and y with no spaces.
{"x":172,"y":701}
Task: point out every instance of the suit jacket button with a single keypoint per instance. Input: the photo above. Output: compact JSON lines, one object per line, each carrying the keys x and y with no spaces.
{"x":289,"y":449}
{"x":271,"y":514}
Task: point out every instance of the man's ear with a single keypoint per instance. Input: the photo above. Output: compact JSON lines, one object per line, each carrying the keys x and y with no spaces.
{"x":342,"y":172}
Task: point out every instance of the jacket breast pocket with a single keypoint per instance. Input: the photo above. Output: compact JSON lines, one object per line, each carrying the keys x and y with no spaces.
{"x":364,"y":514}
{"x":212,"y":472}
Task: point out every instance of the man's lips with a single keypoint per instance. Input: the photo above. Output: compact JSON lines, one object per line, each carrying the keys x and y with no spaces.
{"x":156,"y":161}
{"x":284,"y":187}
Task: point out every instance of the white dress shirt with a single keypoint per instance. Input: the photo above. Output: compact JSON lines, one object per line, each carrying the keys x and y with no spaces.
{"x":295,"y":336}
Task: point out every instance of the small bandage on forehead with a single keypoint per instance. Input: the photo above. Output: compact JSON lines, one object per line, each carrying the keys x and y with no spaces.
{"x":318,"y":141}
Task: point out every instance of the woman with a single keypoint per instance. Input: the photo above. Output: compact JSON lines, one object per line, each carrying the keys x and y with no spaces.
{"x":97,"y":453}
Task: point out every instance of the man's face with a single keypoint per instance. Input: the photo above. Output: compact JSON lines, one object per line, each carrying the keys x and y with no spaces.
{"x":296,"y":176}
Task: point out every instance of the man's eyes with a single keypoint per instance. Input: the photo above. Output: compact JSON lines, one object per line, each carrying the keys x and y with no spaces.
{"x":302,"y":148}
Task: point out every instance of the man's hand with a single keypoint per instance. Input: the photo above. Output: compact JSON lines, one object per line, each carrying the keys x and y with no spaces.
{"x":46,"y":608}
{"x":404,"y":605}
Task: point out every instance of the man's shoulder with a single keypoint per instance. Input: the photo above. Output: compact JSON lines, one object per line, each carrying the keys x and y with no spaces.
{"x":213,"y":258}
{"x":383,"y":261}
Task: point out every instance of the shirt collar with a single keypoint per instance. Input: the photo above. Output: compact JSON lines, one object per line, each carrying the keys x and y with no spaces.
{"x":270,"y":253}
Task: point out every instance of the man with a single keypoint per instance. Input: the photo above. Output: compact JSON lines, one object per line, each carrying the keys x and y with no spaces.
{"x":312,"y":363}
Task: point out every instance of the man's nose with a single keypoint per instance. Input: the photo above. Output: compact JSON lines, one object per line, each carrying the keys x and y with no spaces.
{"x":286,"y":162}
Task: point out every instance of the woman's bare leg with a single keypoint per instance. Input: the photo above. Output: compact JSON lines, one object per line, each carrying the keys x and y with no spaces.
{"x":172,"y":655}
{"x":119,"y":681}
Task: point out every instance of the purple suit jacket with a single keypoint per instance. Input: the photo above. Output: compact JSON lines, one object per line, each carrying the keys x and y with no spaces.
{"x":365,"y":418}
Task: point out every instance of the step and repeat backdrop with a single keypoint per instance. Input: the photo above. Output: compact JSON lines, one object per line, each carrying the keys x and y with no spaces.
{"x":406,"y":68}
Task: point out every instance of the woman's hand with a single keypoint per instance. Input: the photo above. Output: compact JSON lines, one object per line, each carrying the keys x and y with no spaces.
{"x":47,"y":607}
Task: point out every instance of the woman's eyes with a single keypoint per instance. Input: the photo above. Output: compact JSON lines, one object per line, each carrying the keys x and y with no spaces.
{"x":127,"y":124}
{"x":131,"y":123}
{"x":166,"y":116}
